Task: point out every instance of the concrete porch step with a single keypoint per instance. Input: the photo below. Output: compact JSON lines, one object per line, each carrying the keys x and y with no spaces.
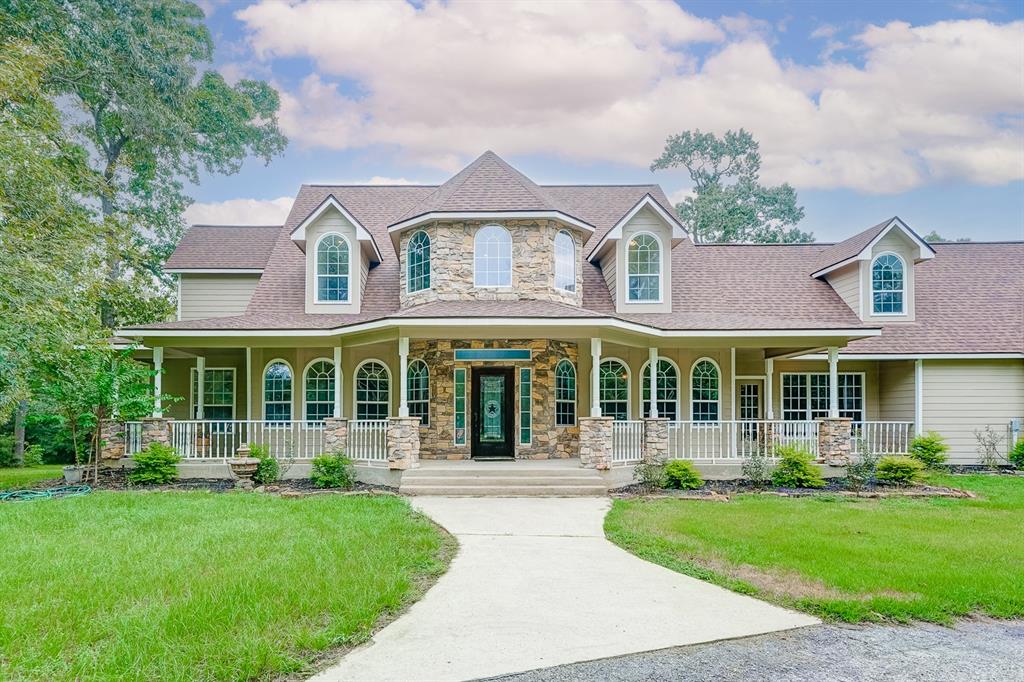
{"x":535,"y":479}
{"x":506,"y":490}
{"x":500,"y":479}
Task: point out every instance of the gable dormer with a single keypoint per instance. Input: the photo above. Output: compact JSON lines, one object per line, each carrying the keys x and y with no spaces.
{"x":873,"y":271}
{"x":635,"y":257}
{"x":339,"y":253}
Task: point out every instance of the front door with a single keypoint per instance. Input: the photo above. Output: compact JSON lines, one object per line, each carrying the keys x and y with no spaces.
{"x":492,"y":418}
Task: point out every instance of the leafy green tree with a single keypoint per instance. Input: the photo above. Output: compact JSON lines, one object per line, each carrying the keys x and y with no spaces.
{"x":729,"y":204}
{"x":150,"y":122}
{"x":934,"y":237}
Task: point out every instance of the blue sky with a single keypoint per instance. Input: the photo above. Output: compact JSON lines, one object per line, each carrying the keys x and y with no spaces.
{"x":870,"y":109}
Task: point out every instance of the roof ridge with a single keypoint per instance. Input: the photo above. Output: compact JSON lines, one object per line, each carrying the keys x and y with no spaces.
{"x":329,"y":184}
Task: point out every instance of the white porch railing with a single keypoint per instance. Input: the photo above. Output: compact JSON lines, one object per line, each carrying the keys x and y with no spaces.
{"x":731,"y":441}
{"x":132,"y":438}
{"x":368,"y":440}
{"x":195,"y":439}
{"x":882,"y":438}
{"x":627,"y":441}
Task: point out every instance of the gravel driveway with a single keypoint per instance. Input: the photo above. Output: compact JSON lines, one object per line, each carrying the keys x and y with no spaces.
{"x":978,"y":651}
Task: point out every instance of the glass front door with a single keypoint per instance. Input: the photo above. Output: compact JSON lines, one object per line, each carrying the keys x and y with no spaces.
{"x":492,"y":402}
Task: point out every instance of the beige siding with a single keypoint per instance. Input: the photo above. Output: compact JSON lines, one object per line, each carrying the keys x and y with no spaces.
{"x":961,"y":396}
{"x":608,"y":270}
{"x":205,"y":296}
{"x":645,"y":220}
{"x":177,"y":381}
{"x":332,"y":222}
{"x":894,"y":242}
{"x":846,"y":282}
{"x":896,"y":390}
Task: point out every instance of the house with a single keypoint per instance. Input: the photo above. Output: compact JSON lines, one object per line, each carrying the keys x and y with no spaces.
{"x":490,"y":317}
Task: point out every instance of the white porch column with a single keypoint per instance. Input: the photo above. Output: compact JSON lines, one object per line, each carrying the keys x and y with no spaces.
{"x":732,"y":383}
{"x":158,"y":380}
{"x":595,"y":369}
{"x":833,"y":382}
{"x":201,"y":386}
{"x":918,"y":397}
{"x":769,"y":385}
{"x":653,"y":355}
{"x":403,"y":379}
{"x":248,"y":383}
{"x":337,"y":382}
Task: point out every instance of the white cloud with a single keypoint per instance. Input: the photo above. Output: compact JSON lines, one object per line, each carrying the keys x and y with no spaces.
{"x":611,"y":80}
{"x":240,"y":212}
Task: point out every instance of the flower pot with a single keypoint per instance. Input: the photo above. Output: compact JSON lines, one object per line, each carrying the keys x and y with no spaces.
{"x":73,"y":474}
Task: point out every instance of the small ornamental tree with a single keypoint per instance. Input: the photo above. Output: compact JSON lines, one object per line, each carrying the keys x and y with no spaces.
{"x":930,"y":449}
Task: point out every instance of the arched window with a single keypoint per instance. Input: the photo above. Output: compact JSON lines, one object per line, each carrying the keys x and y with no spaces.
{"x":667,"y":389}
{"x":643,"y":263}
{"x":372,"y":385}
{"x":332,"y":269}
{"x":319,"y":390}
{"x":565,"y":394}
{"x":613,"y":386}
{"x":887,"y":285}
{"x":704,"y":391}
{"x":418,"y":391}
{"x":418,"y":256}
{"x":277,"y":392}
{"x":565,"y":261}
{"x":492,"y":257}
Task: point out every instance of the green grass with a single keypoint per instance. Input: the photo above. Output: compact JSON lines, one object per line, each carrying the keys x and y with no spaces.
{"x":201,"y":586}
{"x":24,"y":476}
{"x":847,"y":559}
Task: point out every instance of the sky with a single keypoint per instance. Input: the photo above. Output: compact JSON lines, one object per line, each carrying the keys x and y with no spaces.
{"x":869,"y":109}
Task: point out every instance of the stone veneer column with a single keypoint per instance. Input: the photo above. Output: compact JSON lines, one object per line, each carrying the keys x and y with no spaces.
{"x":111,"y":439}
{"x":335,"y":435}
{"x":834,"y":440}
{"x":655,"y":440}
{"x":596,"y":442}
{"x":156,"y":430}
{"x":403,"y":442}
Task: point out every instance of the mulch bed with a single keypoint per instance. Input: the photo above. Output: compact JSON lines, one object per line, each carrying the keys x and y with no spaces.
{"x":723,"y":491}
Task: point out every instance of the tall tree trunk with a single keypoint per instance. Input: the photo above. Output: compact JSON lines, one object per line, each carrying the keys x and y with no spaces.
{"x":113,"y":259}
{"x":19,"y":433}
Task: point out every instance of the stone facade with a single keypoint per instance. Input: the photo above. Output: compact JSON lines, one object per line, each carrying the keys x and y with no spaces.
{"x":451,"y":263}
{"x":156,"y":430}
{"x":834,"y":440}
{"x":335,"y":435}
{"x":111,"y":439}
{"x":656,"y":440}
{"x":596,"y":442}
{"x":403,"y":442}
{"x":437,"y":440}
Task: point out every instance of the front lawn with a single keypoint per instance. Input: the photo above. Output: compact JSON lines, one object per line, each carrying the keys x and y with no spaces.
{"x":201,"y":586}
{"x":846,"y":559}
{"x":17,"y":477}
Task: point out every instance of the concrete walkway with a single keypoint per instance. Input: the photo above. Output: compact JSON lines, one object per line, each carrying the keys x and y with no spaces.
{"x":535,"y":584}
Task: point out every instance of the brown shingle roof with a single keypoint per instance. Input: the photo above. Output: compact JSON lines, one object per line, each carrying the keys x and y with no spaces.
{"x":837,"y":253}
{"x":243,"y":247}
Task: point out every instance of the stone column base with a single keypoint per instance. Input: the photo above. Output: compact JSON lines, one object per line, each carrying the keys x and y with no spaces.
{"x":335,"y":435}
{"x":656,"y":440}
{"x":596,"y":442}
{"x":156,"y":430}
{"x":403,"y":442}
{"x":112,"y":439}
{"x":835,"y":440}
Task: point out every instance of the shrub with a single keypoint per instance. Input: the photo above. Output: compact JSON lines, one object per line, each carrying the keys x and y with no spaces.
{"x":681,"y":474}
{"x":33,"y":456}
{"x":268,"y":470}
{"x":155,"y":465}
{"x":861,"y":470}
{"x":899,"y":470}
{"x":989,"y":447}
{"x":333,"y":471}
{"x":757,"y":468}
{"x":649,"y":476}
{"x":929,"y":449}
{"x":6,"y":451}
{"x":796,"y":469}
{"x":1017,"y":454}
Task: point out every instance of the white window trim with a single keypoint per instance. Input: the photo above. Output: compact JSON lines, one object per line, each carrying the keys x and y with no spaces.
{"x":193,"y":371}
{"x":575,"y":394}
{"x":575,"y":271}
{"x":679,"y":389}
{"x":511,"y":258}
{"x":661,"y":269}
{"x":316,"y":269}
{"x":629,"y":384}
{"x":807,"y":412}
{"x":903,"y":291}
{"x":430,"y":388}
{"x":430,"y":264}
{"x":689,"y":391}
{"x":305,"y":373}
{"x":355,"y":384}
{"x":263,"y":388}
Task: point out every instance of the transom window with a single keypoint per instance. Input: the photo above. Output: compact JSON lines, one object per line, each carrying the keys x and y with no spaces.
{"x":492,"y":257}
{"x":332,"y":267}
{"x":613,"y":385}
{"x":643,"y":263}
{"x":418,"y":256}
{"x":319,"y":390}
{"x":277,"y":392}
{"x":218,"y":393}
{"x":805,"y":396}
{"x":887,"y":285}
{"x":667,"y":389}
{"x":704,"y":387}
{"x":372,"y":390}
{"x":418,"y":391}
{"x":565,"y":261}
{"x":565,"y":394}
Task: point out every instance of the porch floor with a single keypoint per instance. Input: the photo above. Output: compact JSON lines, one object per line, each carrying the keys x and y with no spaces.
{"x":467,"y":464}
{"x":532,"y":478}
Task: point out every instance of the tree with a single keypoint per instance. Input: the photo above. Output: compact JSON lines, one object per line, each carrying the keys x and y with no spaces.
{"x":729,"y":204}
{"x":150,"y":121}
{"x":934,"y":237}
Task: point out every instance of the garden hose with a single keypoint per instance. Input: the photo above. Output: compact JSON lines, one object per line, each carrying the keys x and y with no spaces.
{"x":43,"y":493}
